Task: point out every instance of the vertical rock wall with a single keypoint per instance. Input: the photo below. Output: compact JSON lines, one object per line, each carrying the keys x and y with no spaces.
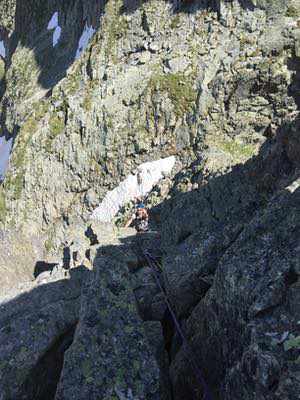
{"x":157,"y":79}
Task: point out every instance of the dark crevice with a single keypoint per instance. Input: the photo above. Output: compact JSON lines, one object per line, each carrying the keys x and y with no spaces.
{"x":81,"y":133}
{"x":274,"y":385}
{"x":204,"y":283}
{"x":291,"y":278}
{"x":136,"y":265}
{"x":91,"y":235}
{"x":89,"y":69}
{"x":88,"y":254}
{"x":145,"y":24}
{"x":66,"y":257}
{"x":266,"y":311}
{"x":43,"y":379}
{"x":294,"y":65}
{"x":42,"y":266}
{"x":183,"y":236}
{"x":49,"y":94}
{"x":66,"y":114}
{"x":168,"y":330}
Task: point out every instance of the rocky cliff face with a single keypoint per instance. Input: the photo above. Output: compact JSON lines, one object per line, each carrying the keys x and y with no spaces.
{"x":90,"y":91}
{"x":155,"y":80}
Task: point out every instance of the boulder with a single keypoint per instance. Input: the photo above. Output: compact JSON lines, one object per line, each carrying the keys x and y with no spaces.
{"x":36,"y":328}
{"x":110,"y":350}
{"x":19,"y":255}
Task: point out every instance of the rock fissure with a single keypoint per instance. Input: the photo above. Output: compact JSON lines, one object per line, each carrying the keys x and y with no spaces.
{"x":111,"y":87}
{"x":43,"y":379}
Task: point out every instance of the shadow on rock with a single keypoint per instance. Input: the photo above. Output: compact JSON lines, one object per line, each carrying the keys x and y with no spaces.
{"x":37,"y":327}
{"x":32,"y":18}
{"x":115,"y":353}
{"x":185,"y":6}
{"x":229,"y":269}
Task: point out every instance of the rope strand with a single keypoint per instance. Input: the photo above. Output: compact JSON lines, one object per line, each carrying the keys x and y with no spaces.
{"x":154,"y":268}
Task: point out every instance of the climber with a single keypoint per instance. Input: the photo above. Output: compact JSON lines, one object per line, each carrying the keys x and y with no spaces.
{"x":140,"y":219}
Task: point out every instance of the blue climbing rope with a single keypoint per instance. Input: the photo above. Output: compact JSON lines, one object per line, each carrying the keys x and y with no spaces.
{"x":152,"y":263}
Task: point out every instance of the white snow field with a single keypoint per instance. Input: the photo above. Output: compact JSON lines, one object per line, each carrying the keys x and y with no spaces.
{"x":2,"y":49}
{"x":5,"y":149}
{"x":53,"y":25}
{"x":138,"y":185}
{"x":86,"y":36}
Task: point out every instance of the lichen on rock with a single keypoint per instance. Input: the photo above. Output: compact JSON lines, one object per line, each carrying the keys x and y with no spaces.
{"x":91,"y":92}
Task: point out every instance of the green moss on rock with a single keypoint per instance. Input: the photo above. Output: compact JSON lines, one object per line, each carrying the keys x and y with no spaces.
{"x":292,"y":12}
{"x":175,"y":23}
{"x":22,"y":76}
{"x":115,"y":26}
{"x":87,"y":102}
{"x":2,"y":70}
{"x":179,"y":88}
{"x":48,"y":245}
{"x":2,"y":205}
{"x":238,"y":151}
{"x":56,"y":125}
{"x":14,"y":181}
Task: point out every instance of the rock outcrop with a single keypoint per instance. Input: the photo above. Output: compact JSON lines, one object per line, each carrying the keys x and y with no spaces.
{"x":37,"y":325}
{"x":90,"y":91}
{"x":156,"y":80}
{"x":19,"y":255}
{"x":83,"y":318}
{"x":110,"y":348}
{"x":232,"y":273}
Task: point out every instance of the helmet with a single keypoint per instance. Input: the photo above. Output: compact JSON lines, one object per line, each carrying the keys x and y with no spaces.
{"x":140,"y":205}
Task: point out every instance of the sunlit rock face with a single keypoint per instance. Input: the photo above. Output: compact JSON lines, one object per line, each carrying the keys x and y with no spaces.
{"x":92,"y":90}
{"x":193,"y":105}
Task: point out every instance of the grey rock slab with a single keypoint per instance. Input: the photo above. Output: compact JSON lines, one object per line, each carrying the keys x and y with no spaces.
{"x":145,"y":57}
{"x":30,"y":325}
{"x":19,"y":254}
{"x":178,"y":64}
{"x":110,"y":349}
{"x":249,"y":297}
{"x":297,"y":42}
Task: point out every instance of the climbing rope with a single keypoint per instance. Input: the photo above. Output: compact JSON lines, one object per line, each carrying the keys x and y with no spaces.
{"x":155,"y":268}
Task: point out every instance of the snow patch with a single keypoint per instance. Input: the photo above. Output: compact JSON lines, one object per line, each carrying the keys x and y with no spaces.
{"x":53,"y":25}
{"x":2,"y":49}
{"x":56,"y":35}
{"x":86,"y":36}
{"x":5,"y":150}
{"x":138,"y":185}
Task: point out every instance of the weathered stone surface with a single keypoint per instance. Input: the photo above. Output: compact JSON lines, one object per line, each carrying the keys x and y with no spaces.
{"x":297,"y":43}
{"x":104,"y":113}
{"x":110,"y":348}
{"x":32,"y":324}
{"x":19,"y":254}
{"x":247,"y":310}
{"x":243,"y":235}
{"x":178,"y":64}
{"x":217,"y":85}
{"x":115,"y":354}
{"x":7,"y":17}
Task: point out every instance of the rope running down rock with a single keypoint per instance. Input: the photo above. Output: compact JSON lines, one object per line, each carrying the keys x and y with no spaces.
{"x":152,"y":263}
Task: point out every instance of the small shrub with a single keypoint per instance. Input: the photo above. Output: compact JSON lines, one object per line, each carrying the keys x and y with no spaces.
{"x":292,"y":12}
